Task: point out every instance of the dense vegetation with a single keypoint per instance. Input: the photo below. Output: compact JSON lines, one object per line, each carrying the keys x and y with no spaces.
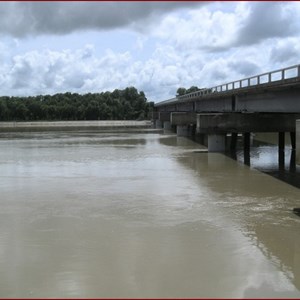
{"x":127,"y":104}
{"x":182,"y":91}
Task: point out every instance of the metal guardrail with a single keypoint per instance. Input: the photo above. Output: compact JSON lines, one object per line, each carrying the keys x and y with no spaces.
{"x":257,"y":80}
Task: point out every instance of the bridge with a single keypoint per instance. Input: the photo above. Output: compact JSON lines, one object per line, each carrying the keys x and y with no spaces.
{"x":268,"y":102}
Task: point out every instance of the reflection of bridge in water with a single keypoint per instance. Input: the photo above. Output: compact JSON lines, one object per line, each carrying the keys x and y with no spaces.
{"x":268,"y":102}
{"x":269,"y":224}
{"x":260,"y":206}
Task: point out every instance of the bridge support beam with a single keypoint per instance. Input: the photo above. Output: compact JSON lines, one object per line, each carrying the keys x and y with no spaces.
{"x":281,"y":147}
{"x":281,"y":141}
{"x":247,"y":141}
{"x":185,"y":123}
{"x":185,"y":130}
{"x":293,"y":139}
{"x":164,"y":116}
{"x":158,"y":124}
{"x":182,"y":130}
{"x":245,"y":123}
{"x":298,"y":142}
{"x":167,"y":125}
{"x":183,"y":118}
{"x":233,"y":141}
{"x":216,"y":143}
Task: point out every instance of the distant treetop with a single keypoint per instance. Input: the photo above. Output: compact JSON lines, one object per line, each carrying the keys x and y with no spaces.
{"x":183,"y":91}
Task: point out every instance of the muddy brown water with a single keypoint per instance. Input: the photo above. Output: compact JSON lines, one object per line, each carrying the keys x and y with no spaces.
{"x":137,"y":215}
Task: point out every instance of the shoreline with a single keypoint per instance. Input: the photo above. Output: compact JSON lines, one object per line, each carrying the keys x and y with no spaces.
{"x":73,"y":125}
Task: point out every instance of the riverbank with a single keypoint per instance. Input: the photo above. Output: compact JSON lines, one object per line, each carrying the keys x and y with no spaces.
{"x":73,"y":125}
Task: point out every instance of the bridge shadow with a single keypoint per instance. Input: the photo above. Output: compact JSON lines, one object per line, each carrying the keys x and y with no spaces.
{"x":269,"y":160}
{"x":260,"y":208}
{"x":262,"y":156}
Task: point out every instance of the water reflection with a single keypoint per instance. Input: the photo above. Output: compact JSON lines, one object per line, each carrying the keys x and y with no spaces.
{"x":262,"y":207}
{"x":268,"y":159}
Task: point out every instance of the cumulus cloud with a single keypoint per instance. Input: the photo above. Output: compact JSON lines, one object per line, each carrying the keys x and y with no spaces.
{"x":286,"y":51}
{"x":40,"y":72}
{"x":269,"y":20}
{"x":204,"y":46}
{"x":244,"y":67}
{"x":32,"y":18}
{"x":159,"y":76}
{"x":201,"y":29}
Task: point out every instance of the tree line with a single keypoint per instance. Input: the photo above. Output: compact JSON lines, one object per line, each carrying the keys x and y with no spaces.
{"x":183,"y":91}
{"x":127,"y":104}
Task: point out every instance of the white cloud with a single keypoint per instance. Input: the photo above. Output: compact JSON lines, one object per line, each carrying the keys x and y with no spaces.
{"x":201,"y":45}
{"x":202,"y":29}
{"x":269,"y":20}
{"x":34,"y":18}
{"x":286,"y":51}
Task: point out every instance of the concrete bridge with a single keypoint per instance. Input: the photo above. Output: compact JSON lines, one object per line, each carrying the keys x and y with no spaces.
{"x":268,"y":102}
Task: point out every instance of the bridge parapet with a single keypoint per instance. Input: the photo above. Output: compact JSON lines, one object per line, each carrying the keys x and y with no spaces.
{"x":285,"y":75}
{"x":281,"y":77}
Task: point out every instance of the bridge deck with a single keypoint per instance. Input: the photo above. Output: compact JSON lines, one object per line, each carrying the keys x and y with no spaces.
{"x":278,"y":79}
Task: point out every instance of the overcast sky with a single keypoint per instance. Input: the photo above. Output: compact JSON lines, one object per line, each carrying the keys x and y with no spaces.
{"x":51,"y":47}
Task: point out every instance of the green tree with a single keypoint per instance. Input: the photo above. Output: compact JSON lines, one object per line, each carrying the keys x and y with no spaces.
{"x":120,"y":104}
{"x":192,"y":89}
{"x":181,"y":91}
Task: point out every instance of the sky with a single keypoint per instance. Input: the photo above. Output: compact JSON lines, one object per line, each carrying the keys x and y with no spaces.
{"x":157,"y":47}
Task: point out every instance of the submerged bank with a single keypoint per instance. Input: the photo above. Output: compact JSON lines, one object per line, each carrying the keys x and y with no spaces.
{"x":72,"y":125}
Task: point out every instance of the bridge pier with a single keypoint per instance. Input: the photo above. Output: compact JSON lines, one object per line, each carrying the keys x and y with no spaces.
{"x":182,"y":130}
{"x":281,"y":148}
{"x":247,"y":141}
{"x":167,"y":125}
{"x":298,"y":142}
{"x":245,"y":123}
{"x":281,"y":141}
{"x":185,"y":130}
{"x":185,"y":123}
{"x":261,"y":103}
{"x":233,"y":141}
{"x":216,"y":142}
{"x":293,"y":139}
{"x":158,"y":124}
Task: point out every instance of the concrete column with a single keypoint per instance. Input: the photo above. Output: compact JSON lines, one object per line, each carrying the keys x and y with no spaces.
{"x":247,"y":136}
{"x":158,"y":124}
{"x":216,"y":143}
{"x":167,"y":125}
{"x":293,"y":139}
{"x":201,"y":138}
{"x":247,"y":160}
{"x":298,"y":142}
{"x":281,"y":141}
{"x":155,"y":115}
{"x":247,"y":141}
{"x":293,"y":161}
{"x":183,"y":130}
{"x":233,"y":140}
{"x":281,"y":146}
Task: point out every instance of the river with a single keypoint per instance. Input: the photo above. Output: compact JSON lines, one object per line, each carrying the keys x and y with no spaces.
{"x":142,"y":215}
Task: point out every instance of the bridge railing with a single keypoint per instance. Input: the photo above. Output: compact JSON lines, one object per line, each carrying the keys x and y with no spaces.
{"x":257,"y":80}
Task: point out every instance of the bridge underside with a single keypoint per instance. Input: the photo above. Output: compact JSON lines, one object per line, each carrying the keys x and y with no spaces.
{"x":214,"y":127}
{"x":246,"y":122}
{"x":257,"y":104}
